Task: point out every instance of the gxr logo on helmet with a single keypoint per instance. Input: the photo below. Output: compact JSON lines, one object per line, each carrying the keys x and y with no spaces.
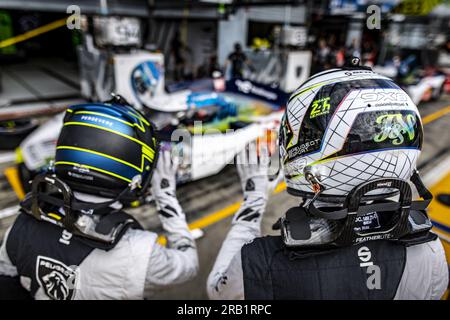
{"x":384,"y":96}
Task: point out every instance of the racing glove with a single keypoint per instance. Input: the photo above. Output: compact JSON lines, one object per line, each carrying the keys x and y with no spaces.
{"x":170,"y":212}
{"x":225,"y":279}
{"x":164,"y":186}
{"x":252,"y":166}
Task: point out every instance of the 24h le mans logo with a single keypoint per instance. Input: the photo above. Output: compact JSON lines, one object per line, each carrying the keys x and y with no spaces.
{"x":55,"y":278}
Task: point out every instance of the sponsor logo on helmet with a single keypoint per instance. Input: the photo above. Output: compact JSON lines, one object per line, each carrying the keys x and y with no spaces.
{"x":97,"y":120}
{"x":302,"y":148}
{"x":320,"y":107}
{"x":395,"y":127}
{"x":80,"y":176}
{"x":81,"y":169}
{"x":392,"y":98}
{"x":56,"y":279}
{"x":358,"y":72}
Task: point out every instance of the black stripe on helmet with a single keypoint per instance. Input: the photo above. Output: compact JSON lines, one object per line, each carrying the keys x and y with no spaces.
{"x":101,"y":141}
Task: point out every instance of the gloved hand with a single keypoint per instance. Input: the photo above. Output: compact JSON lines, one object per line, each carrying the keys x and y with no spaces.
{"x":171,"y":214}
{"x":252,"y":166}
{"x":164,"y":186}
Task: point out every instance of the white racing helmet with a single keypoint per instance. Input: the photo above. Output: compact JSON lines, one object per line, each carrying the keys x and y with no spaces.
{"x":344,"y":127}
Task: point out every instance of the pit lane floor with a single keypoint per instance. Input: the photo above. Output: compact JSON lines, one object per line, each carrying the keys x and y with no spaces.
{"x":210,"y":203}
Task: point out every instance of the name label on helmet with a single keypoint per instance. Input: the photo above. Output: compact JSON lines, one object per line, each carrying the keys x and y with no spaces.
{"x":358,"y":72}
{"x":97,"y":120}
{"x":367,"y":222}
{"x":396,"y":127}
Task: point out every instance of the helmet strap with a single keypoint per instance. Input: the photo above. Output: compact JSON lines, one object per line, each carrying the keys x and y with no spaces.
{"x":79,"y":217}
{"x":297,"y":219}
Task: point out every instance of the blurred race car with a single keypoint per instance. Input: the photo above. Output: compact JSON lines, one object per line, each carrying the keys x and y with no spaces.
{"x":209,"y":120}
{"x":207,"y":131}
{"x":415,"y":71}
{"x":447,"y":82}
{"x":422,"y":85}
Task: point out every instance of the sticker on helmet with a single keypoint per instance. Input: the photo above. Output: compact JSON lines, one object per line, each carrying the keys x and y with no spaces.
{"x":396,"y":127}
{"x":320,"y":107}
{"x":377,"y":130}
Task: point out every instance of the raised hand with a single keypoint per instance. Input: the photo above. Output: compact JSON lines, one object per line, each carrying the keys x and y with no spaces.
{"x":252,"y":165}
{"x":164,"y":185}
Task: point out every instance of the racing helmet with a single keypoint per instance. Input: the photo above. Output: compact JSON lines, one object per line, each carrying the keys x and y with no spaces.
{"x":344,"y":127}
{"x":104,"y":148}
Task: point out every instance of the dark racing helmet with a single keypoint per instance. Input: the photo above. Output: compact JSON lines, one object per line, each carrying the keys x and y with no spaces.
{"x":104,"y":148}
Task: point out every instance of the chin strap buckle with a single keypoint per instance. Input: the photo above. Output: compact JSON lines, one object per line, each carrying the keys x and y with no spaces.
{"x":314,"y":178}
